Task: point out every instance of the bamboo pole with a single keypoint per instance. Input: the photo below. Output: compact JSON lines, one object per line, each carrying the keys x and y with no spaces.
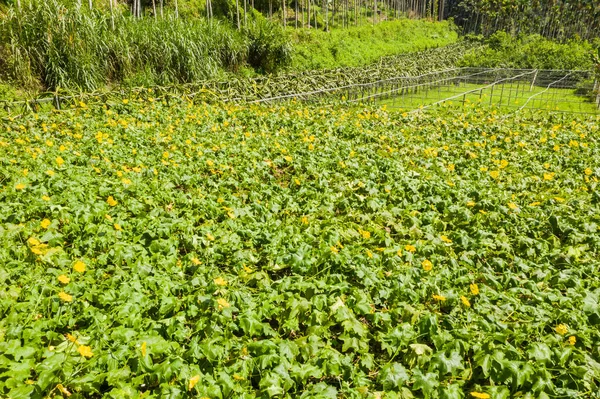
{"x":112,"y":15}
{"x":284,"y":15}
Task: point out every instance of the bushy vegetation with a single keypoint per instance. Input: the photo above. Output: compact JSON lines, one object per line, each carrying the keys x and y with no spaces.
{"x":356,"y":46}
{"x":50,"y":46}
{"x":187,"y":250}
{"x":532,"y":51}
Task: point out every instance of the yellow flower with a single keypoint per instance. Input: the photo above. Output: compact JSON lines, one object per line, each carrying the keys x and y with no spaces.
{"x":446,"y":240}
{"x":126,"y":181}
{"x":85,"y":351}
{"x":20,"y":186}
{"x":512,"y":206}
{"x":572,"y":340}
{"x":45,"y":223}
{"x":222,"y":303}
{"x":474,"y":289}
{"x":125,"y":101}
{"x":45,"y":198}
{"x":588,"y":172}
{"x":210,"y":237}
{"x":480,"y":395}
{"x":304,"y":220}
{"x":50,"y":172}
{"x":503,"y":164}
{"x":61,"y":388}
{"x":450,"y":167}
{"x":210,"y":163}
{"x":465,"y":301}
{"x":410,"y":248}
{"x":440,"y":298}
{"x":111,"y":201}
{"x":196,"y":261}
{"x":536,"y":203}
{"x":427,"y":265}
{"x":117,"y":227}
{"x":334,"y":249}
{"x":193,"y":381}
{"x":562,"y":329}
{"x":166,"y":154}
{"x":143,"y":348}
{"x":399,"y":253}
{"x":71,"y":338}
{"x":65,"y":297}
{"x":369,"y":254}
{"x":60,"y":161}
{"x":79,"y":266}
{"x":63,"y":279}
{"x":365,"y":234}
{"x":470,"y":203}
{"x":220,"y":281}
{"x":494,"y":174}
{"x":548,"y":176}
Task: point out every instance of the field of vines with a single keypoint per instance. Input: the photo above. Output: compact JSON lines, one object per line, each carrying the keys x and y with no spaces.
{"x":172,"y":250}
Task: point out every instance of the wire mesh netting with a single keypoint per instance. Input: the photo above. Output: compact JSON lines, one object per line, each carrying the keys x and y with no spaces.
{"x":550,"y":90}
{"x":505,"y":89}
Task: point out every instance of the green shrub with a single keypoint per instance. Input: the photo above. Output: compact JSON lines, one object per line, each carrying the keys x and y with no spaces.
{"x":269,"y":47}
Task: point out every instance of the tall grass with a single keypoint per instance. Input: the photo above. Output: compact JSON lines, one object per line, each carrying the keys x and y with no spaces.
{"x":50,"y":45}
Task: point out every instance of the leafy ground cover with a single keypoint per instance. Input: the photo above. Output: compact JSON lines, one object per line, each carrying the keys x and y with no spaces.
{"x":154,"y":249}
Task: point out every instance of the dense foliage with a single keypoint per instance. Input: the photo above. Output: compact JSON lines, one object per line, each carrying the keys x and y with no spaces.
{"x":50,"y":45}
{"x":532,"y":52}
{"x":187,"y":250}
